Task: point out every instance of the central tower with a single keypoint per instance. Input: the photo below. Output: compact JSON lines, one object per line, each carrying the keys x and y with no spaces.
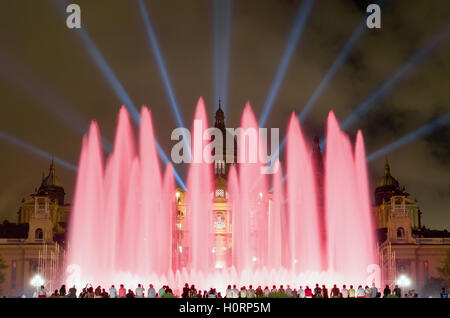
{"x":222,"y":231}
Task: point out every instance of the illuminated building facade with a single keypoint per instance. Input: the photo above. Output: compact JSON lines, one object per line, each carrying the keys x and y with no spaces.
{"x":52,"y":189}
{"x":407,"y":251}
{"x":31,"y":247}
{"x":221,"y":213}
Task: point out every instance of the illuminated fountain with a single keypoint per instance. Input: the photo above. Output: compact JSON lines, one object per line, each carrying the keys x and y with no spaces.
{"x":123,"y":220}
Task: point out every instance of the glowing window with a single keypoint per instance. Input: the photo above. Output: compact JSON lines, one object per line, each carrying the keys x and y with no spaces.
{"x":220,"y":193}
{"x":38,"y":234}
{"x":401,"y":233}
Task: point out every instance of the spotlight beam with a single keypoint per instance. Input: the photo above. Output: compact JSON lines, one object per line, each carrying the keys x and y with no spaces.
{"x":357,"y":33}
{"x":162,"y":69}
{"x":222,"y":17}
{"x":343,"y":54}
{"x":34,"y":150}
{"x":296,"y":32}
{"x":45,"y":96}
{"x":114,"y":82}
{"x":416,"y":134}
{"x":387,"y":86}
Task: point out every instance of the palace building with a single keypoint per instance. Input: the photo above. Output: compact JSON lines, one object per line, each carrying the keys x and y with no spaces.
{"x":52,"y":189}
{"x":388,"y":187}
{"x":406,"y":249}
{"x":222,"y":217}
{"x":34,"y":246}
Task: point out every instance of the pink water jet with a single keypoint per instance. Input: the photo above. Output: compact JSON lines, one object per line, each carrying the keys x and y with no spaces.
{"x":305,"y":248}
{"x":350,"y":233}
{"x":275,"y":224}
{"x":123,"y":222}
{"x":250,"y":219}
{"x":199,"y":196}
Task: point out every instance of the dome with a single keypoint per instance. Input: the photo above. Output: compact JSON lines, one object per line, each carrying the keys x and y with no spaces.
{"x":51,"y":186}
{"x":387,"y":179}
{"x":51,"y":180}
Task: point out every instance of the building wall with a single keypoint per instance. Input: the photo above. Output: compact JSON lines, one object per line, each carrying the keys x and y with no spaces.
{"x":418,"y":262}
{"x":383,"y":213}
{"x":23,"y":263}
{"x":221,"y":232}
{"x":58,"y":214}
{"x":403,"y":254}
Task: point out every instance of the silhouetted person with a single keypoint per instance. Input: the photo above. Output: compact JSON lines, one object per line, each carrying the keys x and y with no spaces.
{"x":351,"y":292}
{"x":112,"y":292}
{"x":301,"y":292}
{"x":122,"y":291}
{"x":185,"y":292}
{"x":360,"y":293}
{"x":317,"y":292}
{"x":373,"y":291}
{"x":42,"y":293}
{"x":192,"y":292}
{"x":139,"y":291}
{"x":324,"y":292}
{"x":335,"y":292}
{"x":250,"y":292}
{"x":62,"y":291}
{"x":229,"y":292}
{"x":72,"y":292}
{"x":344,"y":292}
{"x":130,"y":294}
{"x":151,"y":292}
{"x":308,"y":292}
{"x":386,"y":291}
{"x":98,"y":292}
{"x":397,"y":291}
{"x":162,"y":291}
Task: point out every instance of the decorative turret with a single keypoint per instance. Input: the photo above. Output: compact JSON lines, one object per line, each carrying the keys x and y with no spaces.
{"x":51,"y":186}
{"x":399,"y":224}
{"x":220,"y":119}
{"x":387,"y":179}
{"x":222,"y":165}
{"x":387,"y":186}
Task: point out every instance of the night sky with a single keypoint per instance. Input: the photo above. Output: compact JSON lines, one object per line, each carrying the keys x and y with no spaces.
{"x":50,"y":88}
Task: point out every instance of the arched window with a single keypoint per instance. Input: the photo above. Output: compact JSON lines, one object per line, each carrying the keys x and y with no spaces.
{"x":401,"y":233}
{"x":38,"y":234}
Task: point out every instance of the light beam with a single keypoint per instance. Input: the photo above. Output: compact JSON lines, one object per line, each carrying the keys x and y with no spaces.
{"x":222,"y":17}
{"x":357,"y":33}
{"x":160,"y":61}
{"x":114,"y":82}
{"x":387,"y":86}
{"x":416,"y":134}
{"x":44,"y":95}
{"x":296,"y":32}
{"x":34,"y":150}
